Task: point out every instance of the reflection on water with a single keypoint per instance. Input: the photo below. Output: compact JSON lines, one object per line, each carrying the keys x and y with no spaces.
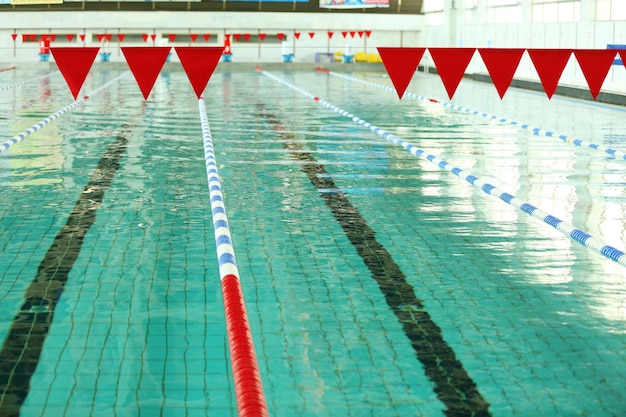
{"x":534,"y":317}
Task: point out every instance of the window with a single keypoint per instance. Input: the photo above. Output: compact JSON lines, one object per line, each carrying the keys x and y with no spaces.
{"x":501,"y":3}
{"x":504,"y":11}
{"x":610,"y":10}
{"x":556,"y":11}
{"x":433,"y":11}
{"x":471,"y":10}
{"x":432,"y":6}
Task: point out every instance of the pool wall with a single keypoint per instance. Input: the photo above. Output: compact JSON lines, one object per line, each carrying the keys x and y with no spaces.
{"x":393,"y":29}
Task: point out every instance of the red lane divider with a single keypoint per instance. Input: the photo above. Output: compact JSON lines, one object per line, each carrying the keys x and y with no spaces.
{"x":246,"y":375}
{"x":248,"y":386}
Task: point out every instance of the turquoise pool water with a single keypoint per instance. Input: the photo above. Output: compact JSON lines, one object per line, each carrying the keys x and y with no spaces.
{"x":376,"y":284}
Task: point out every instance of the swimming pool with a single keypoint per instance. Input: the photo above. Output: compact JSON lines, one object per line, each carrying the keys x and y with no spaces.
{"x":376,"y":283}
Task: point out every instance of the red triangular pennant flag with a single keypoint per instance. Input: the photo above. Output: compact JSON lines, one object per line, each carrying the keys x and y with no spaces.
{"x":297,"y":35}
{"x":227,"y":36}
{"x":171,"y":37}
{"x":32,"y":37}
{"x":193,"y":36}
{"x":145,"y":37}
{"x":360,"y":32}
{"x":330,"y":35}
{"x":69,"y":37}
{"x":199,"y":62}
{"x":145,"y":63}
{"x":108,"y":37}
{"x":280,"y":36}
{"x":120,"y":37}
{"x":246,"y":37}
{"x":368,"y":33}
{"x":14,"y":36}
{"x":206,"y":36}
{"x":401,"y":64}
{"x":100,"y":36}
{"x":549,"y":64}
{"x":262,"y":36}
{"x":82,"y":37}
{"x":595,"y":64}
{"x":311,"y":34}
{"x":24,"y":37}
{"x":352,"y":34}
{"x":451,"y":64}
{"x":53,"y":37}
{"x":344,"y":34}
{"x":153,"y":37}
{"x":237,"y":37}
{"x":501,"y":64}
{"x":74,"y":64}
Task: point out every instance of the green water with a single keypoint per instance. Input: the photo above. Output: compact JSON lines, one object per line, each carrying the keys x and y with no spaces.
{"x":534,"y":319}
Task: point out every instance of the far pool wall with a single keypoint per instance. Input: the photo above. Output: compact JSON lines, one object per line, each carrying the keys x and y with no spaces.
{"x":387,"y":30}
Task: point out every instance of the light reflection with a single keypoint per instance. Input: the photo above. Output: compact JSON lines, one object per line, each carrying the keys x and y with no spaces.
{"x":36,"y":160}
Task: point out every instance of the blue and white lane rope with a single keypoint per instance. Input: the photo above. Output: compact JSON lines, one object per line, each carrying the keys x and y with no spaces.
{"x":249,"y":393}
{"x":574,"y":233}
{"x":225,"y":250}
{"x":534,"y":130}
{"x":8,"y":87}
{"x":34,"y":128}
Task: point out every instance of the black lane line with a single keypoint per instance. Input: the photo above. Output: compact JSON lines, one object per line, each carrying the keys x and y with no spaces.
{"x":453,"y":386}
{"x":22,"y":348}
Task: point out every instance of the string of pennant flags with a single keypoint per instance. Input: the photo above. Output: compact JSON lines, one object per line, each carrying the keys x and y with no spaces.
{"x":501,"y":63}
{"x":401,"y":63}
{"x":109,"y":37}
{"x":145,"y":63}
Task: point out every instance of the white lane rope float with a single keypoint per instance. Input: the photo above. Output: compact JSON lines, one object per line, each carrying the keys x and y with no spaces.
{"x":36,"y":127}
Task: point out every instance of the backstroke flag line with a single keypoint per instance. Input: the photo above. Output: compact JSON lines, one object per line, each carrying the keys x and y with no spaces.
{"x":400,"y":63}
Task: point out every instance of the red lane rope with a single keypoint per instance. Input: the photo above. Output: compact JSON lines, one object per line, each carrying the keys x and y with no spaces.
{"x":246,"y":375}
{"x":248,"y":387}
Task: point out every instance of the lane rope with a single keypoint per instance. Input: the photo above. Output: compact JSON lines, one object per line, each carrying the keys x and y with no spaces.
{"x":34,"y":128}
{"x":31,"y":80}
{"x":534,"y":130}
{"x":567,"y":229}
{"x":247,"y":377}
